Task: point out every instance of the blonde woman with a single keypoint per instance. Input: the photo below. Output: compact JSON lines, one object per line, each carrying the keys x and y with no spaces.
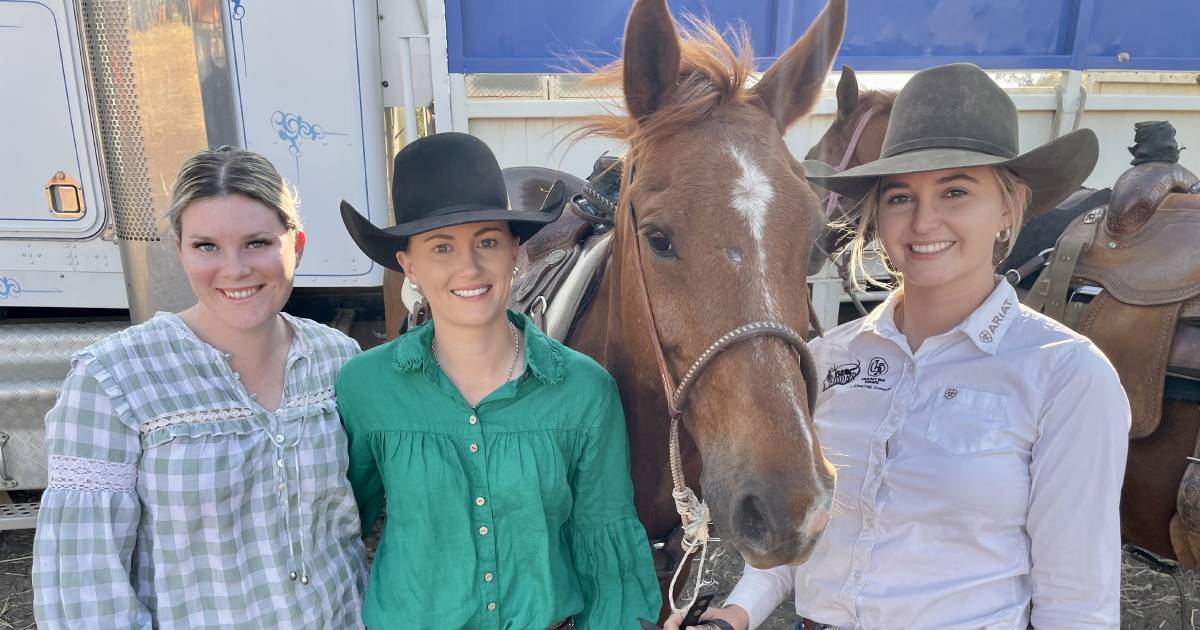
{"x":197,"y":462}
{"x":980,"y":447}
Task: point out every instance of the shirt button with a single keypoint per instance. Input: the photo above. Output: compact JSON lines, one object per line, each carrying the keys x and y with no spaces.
{"x":483,"y":530}
{"x":871,"y":522}
{"x":473,"y":420}
{"x":480,"y":501}
{"x":279,"y":463}
{"x":487,"y":577}
{"x":474,"y":447}
{"x":282,"y":487}
{"x":491,"y":605}
{"x":857,"y":575}
{"x":279,"y":439}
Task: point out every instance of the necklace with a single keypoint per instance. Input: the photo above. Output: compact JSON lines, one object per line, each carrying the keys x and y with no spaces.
{"x":511,"y":366}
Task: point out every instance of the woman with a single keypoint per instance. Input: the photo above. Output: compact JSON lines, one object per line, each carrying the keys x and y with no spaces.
{"x":980,"y":447}
{"x":197,"y":462}
{"x":502,"y":453}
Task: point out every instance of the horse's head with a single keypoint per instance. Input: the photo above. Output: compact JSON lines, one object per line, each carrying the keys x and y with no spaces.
{"x":721,"y":218}
{"x":854,"y":138}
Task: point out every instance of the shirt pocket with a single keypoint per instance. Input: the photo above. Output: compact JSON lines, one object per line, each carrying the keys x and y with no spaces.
{"x":965,"y":421}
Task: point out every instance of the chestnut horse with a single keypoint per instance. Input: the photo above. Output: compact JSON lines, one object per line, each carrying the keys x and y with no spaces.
{"x":1156,"y":463}
{"x":854,"y":138}
{"x":713,"y":230}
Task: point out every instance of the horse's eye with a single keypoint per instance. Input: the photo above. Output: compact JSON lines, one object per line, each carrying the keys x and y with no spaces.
{"x":660,"y":243}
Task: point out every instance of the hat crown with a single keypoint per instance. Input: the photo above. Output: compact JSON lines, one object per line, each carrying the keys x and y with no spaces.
{"x":955,"y":106}
{"x":443,"y":172}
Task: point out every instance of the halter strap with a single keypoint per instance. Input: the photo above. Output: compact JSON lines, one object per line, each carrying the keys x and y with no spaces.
{"x":851,"y":147}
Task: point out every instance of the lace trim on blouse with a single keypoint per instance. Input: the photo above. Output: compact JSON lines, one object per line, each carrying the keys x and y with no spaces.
{"x":81,"y":473}
{"x":312,"y":399}
{"x":231,"y":413}
{"x":195,"y":417}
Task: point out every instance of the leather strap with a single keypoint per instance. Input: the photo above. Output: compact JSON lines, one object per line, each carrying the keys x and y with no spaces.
{"x":1049,"y":293}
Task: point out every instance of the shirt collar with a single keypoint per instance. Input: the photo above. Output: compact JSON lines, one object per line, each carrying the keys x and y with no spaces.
{"x":985,"y":326}
{"x":988,"y":324}
{"x":543,"y":358}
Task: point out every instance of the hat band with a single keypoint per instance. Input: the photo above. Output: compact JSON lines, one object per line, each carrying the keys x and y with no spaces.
{"x":952,"y":142}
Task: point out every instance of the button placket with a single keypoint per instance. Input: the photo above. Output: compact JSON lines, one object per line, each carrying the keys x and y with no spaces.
{"x":480,"y":500}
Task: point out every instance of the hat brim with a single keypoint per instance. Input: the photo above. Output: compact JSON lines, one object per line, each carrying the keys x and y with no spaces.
{"x":381,"y":244}
{"x":1053,"y":171}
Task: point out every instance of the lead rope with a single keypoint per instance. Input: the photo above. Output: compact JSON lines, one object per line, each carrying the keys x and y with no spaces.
{"x":695,"y":517}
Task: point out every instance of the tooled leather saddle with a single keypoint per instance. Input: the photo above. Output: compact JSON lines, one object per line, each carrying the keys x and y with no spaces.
{"x":1127,"y":276}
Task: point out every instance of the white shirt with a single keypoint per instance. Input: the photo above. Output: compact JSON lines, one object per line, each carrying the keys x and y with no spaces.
{"x":976,"y":477}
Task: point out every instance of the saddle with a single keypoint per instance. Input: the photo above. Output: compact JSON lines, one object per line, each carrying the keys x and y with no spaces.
{"x":1137,"y":261}
{"x":1127,"y":276}
{"x":562,"y":264}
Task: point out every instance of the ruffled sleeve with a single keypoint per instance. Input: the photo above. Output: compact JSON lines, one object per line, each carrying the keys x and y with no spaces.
{"x":608,"y":544}
{"x":87,"y":527}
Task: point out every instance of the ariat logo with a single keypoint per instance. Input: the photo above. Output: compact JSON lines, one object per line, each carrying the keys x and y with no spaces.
{"x":842,"y":374}
{"x":988,"y":335}
{"x":950,"y":393}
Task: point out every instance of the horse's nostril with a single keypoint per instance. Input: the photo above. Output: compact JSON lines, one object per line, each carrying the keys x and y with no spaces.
{"x":750,"y":518}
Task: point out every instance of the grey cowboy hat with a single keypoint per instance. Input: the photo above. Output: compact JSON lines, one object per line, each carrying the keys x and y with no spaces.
{"x":955,"y":116}
{"x":449,"y":179}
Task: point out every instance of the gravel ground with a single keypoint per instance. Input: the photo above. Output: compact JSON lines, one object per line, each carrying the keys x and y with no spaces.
{"x":1150,"y":599}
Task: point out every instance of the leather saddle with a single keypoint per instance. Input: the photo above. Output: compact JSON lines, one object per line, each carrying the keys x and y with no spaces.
{"x":562,"y":264}
{"x":1127,"y":276}
{"x":1133,"y":266}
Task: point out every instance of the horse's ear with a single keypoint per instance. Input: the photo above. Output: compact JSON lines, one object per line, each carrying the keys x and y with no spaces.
{"x":651,"y":58}
{"x":847,"y":93}
{"x":791,"y":86}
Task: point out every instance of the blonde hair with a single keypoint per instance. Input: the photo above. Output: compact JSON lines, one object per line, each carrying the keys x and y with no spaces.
{"x":868,"y":212}
{"x":232,"y":171}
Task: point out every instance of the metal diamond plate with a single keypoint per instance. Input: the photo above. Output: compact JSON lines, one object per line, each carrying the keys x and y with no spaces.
{"x":34,"y":360}
{"x":25,"y":458}
{"x":36,"y":351}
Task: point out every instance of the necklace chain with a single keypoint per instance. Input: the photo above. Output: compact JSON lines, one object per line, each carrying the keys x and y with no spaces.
{"x":511,"y":366}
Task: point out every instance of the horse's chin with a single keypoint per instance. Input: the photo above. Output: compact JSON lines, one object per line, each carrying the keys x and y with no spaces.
{"x":796,"y":551}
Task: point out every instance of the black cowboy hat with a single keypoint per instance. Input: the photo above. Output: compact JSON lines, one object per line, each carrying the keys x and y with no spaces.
{"x":955,"y":116}
{"x":442,"y":180}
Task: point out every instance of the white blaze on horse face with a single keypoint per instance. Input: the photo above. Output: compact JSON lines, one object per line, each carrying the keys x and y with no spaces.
{"x":752,"y":195}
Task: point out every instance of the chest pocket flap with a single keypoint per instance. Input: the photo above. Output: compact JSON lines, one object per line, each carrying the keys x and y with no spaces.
{"x":964,"y":420}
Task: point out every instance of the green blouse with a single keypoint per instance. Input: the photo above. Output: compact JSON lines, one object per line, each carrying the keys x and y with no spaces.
{"x":514,"y":514}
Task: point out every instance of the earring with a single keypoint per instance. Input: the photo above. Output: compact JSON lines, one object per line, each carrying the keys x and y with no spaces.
{"x":1004,"y":235}
{"x":416,"y":288}
{"x":515,"y":271}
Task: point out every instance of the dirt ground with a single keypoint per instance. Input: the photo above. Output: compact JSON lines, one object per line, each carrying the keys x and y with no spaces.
{"x":1149,"y":599}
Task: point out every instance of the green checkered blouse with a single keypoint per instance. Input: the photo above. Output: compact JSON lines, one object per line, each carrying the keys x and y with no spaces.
{"x":176,"y":501}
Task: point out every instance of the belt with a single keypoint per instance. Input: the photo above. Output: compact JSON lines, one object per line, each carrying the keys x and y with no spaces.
{"x":808,"y":624}
{"x":565,"y":624}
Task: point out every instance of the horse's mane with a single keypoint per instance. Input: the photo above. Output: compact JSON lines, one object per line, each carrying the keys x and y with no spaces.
{"x":712,"y":73}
